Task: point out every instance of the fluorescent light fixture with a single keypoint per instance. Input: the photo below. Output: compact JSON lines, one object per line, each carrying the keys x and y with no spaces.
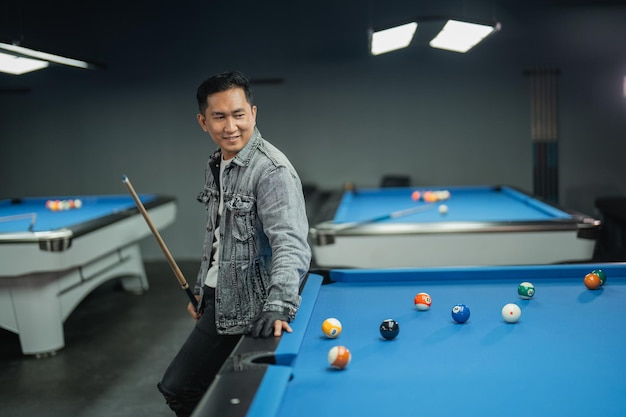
{"x":393,"y":38}
{"x":16,"y":65}
{"x":20,"y":50}
{"x":460,"y":36}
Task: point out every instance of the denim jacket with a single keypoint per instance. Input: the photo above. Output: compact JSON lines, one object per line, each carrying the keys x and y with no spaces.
{"x":264,"y":252}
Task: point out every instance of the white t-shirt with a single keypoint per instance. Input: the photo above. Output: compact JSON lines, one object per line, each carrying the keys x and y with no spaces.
{"x":211,"y":276}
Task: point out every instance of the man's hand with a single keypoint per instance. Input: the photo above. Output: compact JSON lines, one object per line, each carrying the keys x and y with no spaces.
{"x":268,"y":323}
{"x":192,"y":311}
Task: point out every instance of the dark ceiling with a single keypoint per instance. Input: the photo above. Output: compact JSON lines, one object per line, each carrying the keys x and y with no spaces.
{"x":92,"y":30}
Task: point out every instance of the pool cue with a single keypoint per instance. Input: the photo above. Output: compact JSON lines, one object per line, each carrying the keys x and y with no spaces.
{"x":157,"y":236}
{"x":388,"y":216}
{"x":31,"y":216}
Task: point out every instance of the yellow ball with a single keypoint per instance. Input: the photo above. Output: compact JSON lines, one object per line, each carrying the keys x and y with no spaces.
{"x":331,"y":328}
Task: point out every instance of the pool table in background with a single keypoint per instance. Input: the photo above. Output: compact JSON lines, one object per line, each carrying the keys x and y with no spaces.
{"x":484,"y":225}
{"x":51,"y":260}
{"x":565,"y":356}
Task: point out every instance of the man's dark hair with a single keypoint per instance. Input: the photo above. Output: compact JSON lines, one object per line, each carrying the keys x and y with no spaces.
{"x":222,"y":82}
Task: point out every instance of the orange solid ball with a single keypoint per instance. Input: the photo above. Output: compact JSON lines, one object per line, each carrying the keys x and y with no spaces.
{"x":592,"y":281}
{"x":430,"y":197}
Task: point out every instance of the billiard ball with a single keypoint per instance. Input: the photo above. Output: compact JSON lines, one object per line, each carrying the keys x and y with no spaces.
{"x":443,"y":209}
{"x":78,"y":203}
{"x":339,"y":357}
{"x":601,"y":274}
{"x":429,"y":197}
{"x":526,"y":290}
{"x":422,"y":301}
{"x":460,"y":313}
{"x":389,"y":329}
{"x":592,"y":281}
{"x":416,"y":196}
{"x":331,"y":328}
{"x":511,"y":313}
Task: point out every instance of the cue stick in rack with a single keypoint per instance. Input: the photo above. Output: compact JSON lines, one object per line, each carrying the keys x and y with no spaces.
{"x":179,"y":275}
{"x":388,"y":216}
{"x":31,"y":216}
{"x":332,"y":228}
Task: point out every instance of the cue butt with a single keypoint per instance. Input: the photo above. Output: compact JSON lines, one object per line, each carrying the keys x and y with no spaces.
{"x":192,"y":298}
{"x":177,"y":272}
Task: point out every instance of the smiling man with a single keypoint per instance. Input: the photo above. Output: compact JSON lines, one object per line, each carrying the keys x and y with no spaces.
{"x":255,"y":249}
{"x":230,"y":118}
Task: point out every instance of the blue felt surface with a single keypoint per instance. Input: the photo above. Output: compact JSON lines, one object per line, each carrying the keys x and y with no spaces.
{"x":93,"y":207}
{"x":565,"y":357}
{"x":466,"y":204}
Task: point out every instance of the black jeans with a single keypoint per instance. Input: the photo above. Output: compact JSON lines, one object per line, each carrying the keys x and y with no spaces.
{"x":200,"y":358}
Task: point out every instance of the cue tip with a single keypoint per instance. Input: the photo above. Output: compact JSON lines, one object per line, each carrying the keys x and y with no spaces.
{"x":124,"y":178}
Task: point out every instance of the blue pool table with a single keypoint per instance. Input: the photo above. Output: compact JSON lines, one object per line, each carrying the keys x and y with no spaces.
{"x":483,"y":225}
{"x":564,"y":357}
{"x":51,"y":260}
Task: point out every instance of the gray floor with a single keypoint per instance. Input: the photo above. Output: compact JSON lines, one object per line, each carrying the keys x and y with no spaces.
{"x":117,"y":346}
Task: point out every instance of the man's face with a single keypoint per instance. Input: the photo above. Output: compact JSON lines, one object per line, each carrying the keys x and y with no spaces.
{"x":230,"y":120}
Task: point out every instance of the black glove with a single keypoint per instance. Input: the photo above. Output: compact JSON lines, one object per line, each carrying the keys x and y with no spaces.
{"x":263,"y":324}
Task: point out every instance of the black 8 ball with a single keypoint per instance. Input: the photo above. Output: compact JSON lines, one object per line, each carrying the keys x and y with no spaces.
{"x":389,"y":329}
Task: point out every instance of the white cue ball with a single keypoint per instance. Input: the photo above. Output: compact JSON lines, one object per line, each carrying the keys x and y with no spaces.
{"x":78,"y":203}
{"x":443,"y":209}
{"x":511,"y":313}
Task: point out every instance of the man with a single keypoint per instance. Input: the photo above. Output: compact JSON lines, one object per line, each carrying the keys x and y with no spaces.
{"x":255,"y":249}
